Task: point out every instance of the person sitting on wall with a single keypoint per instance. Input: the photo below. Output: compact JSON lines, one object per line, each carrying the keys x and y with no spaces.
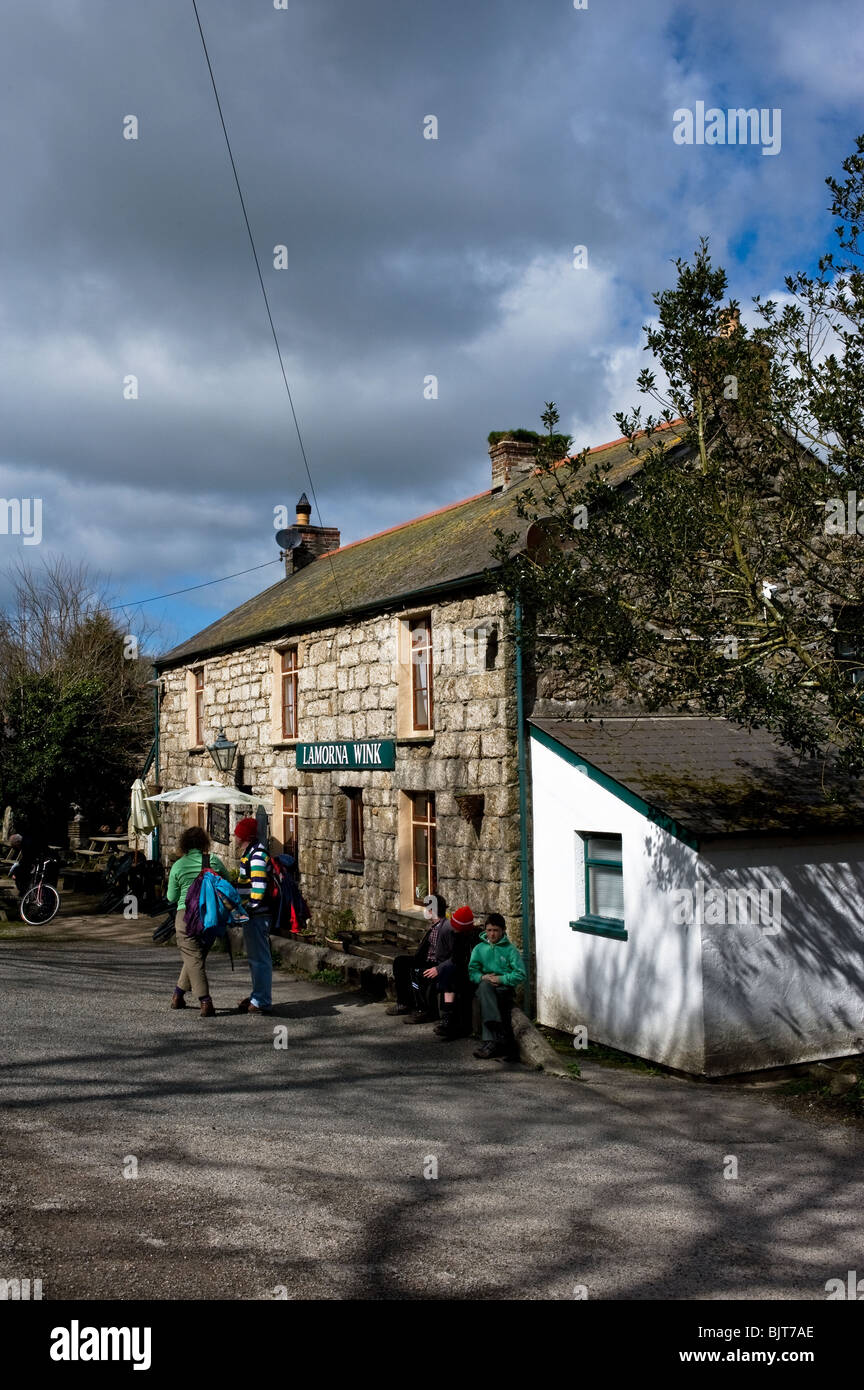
{"x":452,"y":978}
{"x":496,"y":969}
{"x":415,"y":986}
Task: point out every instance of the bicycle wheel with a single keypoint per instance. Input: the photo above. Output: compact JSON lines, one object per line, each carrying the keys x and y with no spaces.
{"x":40,"y":904}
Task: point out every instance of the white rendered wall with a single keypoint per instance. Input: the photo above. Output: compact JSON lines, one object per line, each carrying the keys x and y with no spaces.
{"x":705,"y":996}
{"x":643,"y":995}
{"x":794,"y":992}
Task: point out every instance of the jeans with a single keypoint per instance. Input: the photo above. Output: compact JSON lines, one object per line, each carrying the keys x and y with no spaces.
{"x":256,"y":938}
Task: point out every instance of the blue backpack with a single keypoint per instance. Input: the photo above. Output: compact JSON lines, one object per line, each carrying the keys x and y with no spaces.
{"x":212,"y":906}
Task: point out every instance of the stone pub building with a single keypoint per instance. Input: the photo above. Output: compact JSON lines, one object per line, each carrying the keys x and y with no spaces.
{"x":372,"y":694}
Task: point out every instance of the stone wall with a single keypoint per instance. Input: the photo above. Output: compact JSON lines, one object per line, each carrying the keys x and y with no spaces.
{"x":348,"y":689}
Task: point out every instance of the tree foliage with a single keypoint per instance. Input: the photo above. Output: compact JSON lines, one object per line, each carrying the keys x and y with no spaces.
{"x":75,"y":710}
{"x":718,"y":576}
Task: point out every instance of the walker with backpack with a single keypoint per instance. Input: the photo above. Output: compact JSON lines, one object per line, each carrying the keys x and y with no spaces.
{"x":213,"y":904}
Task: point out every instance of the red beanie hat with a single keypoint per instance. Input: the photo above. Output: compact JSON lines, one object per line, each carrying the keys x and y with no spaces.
{"x":462,"y":919}
{"x":246,"y":829}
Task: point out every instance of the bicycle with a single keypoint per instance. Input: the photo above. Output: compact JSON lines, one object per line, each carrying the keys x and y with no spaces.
{"x":41,"y":902}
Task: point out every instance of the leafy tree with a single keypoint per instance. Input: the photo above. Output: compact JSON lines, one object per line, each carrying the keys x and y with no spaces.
{"x":75,"y":710}
{"x":718,"y":572}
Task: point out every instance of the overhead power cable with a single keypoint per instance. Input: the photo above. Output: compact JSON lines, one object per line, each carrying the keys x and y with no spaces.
{"x":264,"y":291}
{"x":137,"y":603}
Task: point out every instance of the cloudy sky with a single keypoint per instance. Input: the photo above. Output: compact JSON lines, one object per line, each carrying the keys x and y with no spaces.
{"x":407,"y":257}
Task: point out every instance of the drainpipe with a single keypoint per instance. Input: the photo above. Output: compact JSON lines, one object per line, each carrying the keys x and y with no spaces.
{"x":524,"y":868}
{"x":157,"y":848}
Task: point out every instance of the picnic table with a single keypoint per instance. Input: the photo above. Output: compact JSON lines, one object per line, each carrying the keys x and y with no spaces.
{"x":101,"y":846}
{"x":95,"y":858}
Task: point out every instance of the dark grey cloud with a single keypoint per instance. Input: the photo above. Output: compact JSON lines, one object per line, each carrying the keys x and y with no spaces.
{"x":407,"y":257}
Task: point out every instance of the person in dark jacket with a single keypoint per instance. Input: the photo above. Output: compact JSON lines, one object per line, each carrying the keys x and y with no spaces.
{"x":293,"y":913}
{"x":28,"y":852}
{"x":415,"y":987}
{"x":451,"y":973}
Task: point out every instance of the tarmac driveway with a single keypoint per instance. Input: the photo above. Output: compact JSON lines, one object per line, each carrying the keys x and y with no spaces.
{"x":308,"y":1171}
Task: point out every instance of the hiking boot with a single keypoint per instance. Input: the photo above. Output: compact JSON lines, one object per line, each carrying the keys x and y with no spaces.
{"x":419,"y":1018}
{"x":447,"y":1029}
{"x":397,"y":1009}
{"x":207,"y":1009}
{"x":178,"y":1001}
{"x":489,"y":1049}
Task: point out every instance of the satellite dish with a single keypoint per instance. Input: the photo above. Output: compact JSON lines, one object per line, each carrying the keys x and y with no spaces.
{"x":289,"y":539}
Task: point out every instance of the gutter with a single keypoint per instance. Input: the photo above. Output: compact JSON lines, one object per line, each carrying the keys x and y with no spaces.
{"x":521,"y":744}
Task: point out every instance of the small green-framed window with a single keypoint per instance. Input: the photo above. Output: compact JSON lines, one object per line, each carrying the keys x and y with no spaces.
{"x":603,"y":861}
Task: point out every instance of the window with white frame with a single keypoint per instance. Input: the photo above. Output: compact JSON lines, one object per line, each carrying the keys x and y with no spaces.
{"x":415,"y":714}
{"x":290,"y":667}
{"x":290,"y":821}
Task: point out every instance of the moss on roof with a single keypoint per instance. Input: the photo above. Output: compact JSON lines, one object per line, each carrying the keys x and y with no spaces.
{"x":714,"y":778}
{"x":443,"y":550}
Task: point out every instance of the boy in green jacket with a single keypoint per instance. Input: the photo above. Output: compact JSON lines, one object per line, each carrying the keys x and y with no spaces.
{"x":496,"y":969}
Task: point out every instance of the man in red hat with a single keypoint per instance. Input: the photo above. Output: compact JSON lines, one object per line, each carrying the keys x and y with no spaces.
{"x":450,"y":974}
{"x":256,"y":873}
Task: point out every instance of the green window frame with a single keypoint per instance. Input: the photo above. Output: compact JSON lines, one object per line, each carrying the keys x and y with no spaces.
{"x":596,"y":861}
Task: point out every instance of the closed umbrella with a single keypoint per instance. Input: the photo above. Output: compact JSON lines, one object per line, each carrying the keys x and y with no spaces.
{"x":143,"y":816}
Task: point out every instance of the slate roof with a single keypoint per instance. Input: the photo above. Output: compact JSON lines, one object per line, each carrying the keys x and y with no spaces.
{"x":442,"y":550}
{"x":712,"y":778}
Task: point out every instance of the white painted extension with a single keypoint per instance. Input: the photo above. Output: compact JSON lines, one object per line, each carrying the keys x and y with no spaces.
{"x":693,"y":986}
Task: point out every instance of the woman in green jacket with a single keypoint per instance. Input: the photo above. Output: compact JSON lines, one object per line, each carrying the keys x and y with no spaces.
{"x":194,"y":844}
{"x":496,"y":969}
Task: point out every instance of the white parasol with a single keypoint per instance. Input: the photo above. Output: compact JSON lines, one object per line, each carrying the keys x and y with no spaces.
{"x":207,"y":793}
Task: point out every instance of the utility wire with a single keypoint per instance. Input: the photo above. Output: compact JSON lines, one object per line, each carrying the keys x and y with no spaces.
{"x":264,"y":291}
{"x":174,"y":592}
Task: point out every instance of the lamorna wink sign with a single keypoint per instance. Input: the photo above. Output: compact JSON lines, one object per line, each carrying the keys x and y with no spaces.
{"x":377,"y":754}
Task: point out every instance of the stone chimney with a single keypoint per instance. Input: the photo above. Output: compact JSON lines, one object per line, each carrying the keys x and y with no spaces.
{"x":512,"y":459}
{"x":314,"y":541}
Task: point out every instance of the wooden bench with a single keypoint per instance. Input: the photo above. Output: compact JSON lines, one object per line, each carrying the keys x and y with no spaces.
{"x":399,"y":934}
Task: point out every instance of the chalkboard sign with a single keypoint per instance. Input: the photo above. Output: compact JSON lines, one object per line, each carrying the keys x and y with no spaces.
{"x":217,"y":824}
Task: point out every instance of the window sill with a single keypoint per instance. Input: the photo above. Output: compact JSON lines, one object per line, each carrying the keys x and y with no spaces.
{"x":284,"y":742}
{"x":351,"y":866}
{"x":601,"y":926}
{"x":417,"y":738}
